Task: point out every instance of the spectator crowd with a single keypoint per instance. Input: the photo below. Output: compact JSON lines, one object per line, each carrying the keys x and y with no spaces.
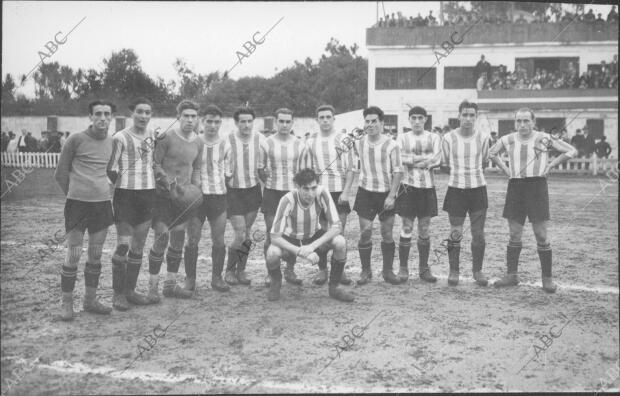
{"x":463,"y":16}
{"x":604,"y":76}
{"x":26,"y":143}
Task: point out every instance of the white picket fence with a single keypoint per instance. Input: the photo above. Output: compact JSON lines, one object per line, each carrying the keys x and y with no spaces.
{"x":27,"y":160}
{"x":592,"y":165}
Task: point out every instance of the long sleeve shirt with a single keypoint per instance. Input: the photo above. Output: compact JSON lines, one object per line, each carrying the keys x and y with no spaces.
{"x":81,"y":171}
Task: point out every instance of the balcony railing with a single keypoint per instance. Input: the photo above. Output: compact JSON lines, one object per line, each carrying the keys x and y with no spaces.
{"x":494,"y":34}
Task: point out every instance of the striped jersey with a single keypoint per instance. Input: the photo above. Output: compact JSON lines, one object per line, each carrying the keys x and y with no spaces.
{"x":329,"y":157}
{"x":377,"y":163}
{"x":132,"y":156}
{"x":283,"y":162}
{"x":215,"y":166}
{"x":411,"y":146}
{"x":465,"y":156}
{"x":296,"y":221}
{"x":528,"y":158}
{"x":246,"y":159}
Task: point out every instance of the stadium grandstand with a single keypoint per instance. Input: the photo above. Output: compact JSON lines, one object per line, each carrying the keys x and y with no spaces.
{"x":565,"y":70}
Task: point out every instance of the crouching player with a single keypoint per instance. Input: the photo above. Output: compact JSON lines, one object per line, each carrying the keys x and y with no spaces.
{"x":297,"y":232}
{"x":82,"y":176}
{"x":527,"y":194}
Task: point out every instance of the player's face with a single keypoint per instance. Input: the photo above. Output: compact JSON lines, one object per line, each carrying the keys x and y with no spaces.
{"x":285,"y":123}
{"x":372,"y":125}
{"x":141,"y":115}
{"x":325,"y":119}
{"x":308,"y":192}
{"x":468,"y":117}
{"x":524,"y":122}
{"x":189,"y":120}
{"x":212,"y":124}
{"x":101,"y":117}
{"x":417,"y":122}
{"x":245,"y":124}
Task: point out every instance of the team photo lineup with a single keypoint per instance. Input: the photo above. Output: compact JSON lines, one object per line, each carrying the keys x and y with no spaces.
{"x":218,"y":257}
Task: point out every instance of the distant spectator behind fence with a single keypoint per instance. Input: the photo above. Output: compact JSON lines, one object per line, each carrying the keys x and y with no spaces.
{"x":589,"y":142}
{"x":578,"y":142}
{"x":12,"y":146}
{"x":5,"y":141}
{"x":602,"y":148}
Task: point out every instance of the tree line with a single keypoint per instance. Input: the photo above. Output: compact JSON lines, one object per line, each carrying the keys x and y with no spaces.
{"x":339,"y":77}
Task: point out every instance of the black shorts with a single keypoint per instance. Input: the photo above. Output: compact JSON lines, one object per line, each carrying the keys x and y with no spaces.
{"x":370,"y":203}
{"x":91,"y":216}
{"x":133,"y":206}
{"x":165,"y":212}
{"x":242,"y":201}
{"x":213,"y":205}
{"x":271,"y":200}
{"x":413,"y":202}
{"x":302,"y":242}
{"x":528,"y":197}
{"x":459,"y":201}
{"x":342,"y":208}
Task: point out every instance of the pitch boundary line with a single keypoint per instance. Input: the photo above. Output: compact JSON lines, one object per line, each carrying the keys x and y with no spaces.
{"x":66,"y":367}
{"x":561,"y":286}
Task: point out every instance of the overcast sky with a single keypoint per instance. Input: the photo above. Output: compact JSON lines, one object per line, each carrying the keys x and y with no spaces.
{"x":205,"y":34}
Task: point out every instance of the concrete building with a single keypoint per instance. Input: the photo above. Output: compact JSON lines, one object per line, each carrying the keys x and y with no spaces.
{"x":434,"y":67}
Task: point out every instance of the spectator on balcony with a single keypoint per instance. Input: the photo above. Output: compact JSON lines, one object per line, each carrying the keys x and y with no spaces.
{"x":482,"y":67}
{"x":599,"y":18}
{"x":589,"y":142}
{"x":578,"y":142}
{"x":12,"y":145}
{"x":589,"y":17}
{"x":602,"y":148}
{"x":613,"y":15}
{"x":431,"y":21}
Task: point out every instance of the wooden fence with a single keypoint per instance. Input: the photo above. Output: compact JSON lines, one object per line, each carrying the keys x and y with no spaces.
{"x":584,"y":166}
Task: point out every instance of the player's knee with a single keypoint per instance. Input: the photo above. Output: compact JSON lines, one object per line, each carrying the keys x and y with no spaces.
{"x":477,"y":238}
{"x":274,"y":254}
{"x":339,"y":244}
{"x":161,"y":242}
{"x":94,"y":252}
{"x":456,"y":234}
{"x":74,"y":252}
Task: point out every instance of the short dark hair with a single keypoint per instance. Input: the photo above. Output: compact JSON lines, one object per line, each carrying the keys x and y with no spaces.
{"x":417,"y":110}
{"x":525,"y":110}
{"x":212,"y":110}
{"x":468,"y":105}
{"x":186,"y":104}
{"x":284,"y":110}
{"x":305,"y":177}
{"x":374,"y":110}
{"x":138,"y":101}
{"x":100,"y":102}
{"x":243,"y":110}
{"x":324,"y":107}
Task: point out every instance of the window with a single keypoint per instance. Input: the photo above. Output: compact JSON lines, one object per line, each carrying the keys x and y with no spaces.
{"x":459,"y":78}
{"x":505,"y":127}
{"x":390,"y":123}
{"x":405,"y":78}
{"x":596,"y":128}
{"x":550,"y":124}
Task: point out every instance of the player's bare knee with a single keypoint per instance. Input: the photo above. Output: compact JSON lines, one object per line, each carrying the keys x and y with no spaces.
{"x":274,"y":254}
{"x":339,"y":244}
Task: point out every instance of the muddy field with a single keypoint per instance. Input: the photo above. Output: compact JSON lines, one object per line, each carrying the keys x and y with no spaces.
{"x":408,"y":338}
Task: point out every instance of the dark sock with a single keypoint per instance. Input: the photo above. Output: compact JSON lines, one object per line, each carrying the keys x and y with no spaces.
{"x":67,"y":278}
{"x":134,"y":262}
{"x":91,"y":274}
{"x":119,"y":273}
{"x":218,"y":254}
{"x":404,"y":245}
{"x":512,"y":256}
{"x":454,"y":251}
{"x":173,"y":259}
{"x":424,"y":249}
{"x":243,"y":254}
{"x":335,"y":272}
{"x":155,"y":260}
{"x":544,"y":253}
{"x":191,"y":258}
{"x":275,"y":274}
{"x":232,"y":259}
{"x":322,"y":260}
{"x":477,"y":256}
{"x":365,"y":251}
{"x":387,"y":251}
